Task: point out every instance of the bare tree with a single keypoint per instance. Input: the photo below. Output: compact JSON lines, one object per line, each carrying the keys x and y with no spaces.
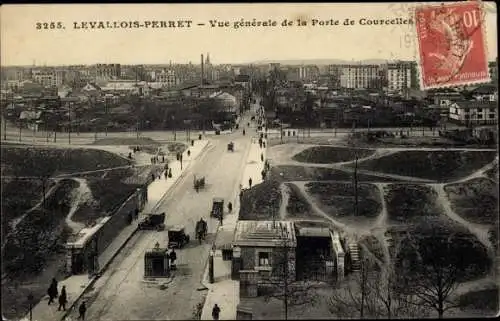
{"x":282,"y":285}
{"x":356,"y":298}
{"x":434,"y":264}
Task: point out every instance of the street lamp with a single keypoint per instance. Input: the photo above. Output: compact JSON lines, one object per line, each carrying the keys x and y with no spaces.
{"x":30,"y":301}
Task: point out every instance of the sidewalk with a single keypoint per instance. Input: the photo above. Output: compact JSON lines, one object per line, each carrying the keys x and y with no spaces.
{"x":225,"y":292}
{"x":77,"y":284}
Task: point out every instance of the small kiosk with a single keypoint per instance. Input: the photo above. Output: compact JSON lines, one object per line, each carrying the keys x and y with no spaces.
{"x":156,"y":263}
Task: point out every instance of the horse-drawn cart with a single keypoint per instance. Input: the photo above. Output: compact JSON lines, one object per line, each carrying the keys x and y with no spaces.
{"x":199,"y":182}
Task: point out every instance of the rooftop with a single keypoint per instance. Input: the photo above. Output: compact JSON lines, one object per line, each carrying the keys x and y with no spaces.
{"x":466,"y":104}
{"x":86,"y":234}
{"x":265,"y":233}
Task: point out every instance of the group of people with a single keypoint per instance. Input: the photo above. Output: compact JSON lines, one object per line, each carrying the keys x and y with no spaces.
{"x":155,"y":159}
{"x":53,"y":293}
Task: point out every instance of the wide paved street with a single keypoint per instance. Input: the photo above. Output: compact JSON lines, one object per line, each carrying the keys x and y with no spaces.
{"x":121,"y":293}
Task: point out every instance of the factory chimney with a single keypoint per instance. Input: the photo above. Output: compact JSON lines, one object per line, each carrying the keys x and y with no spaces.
{"x":202,"y":72}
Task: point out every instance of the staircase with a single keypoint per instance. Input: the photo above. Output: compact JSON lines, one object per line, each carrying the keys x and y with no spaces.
{"x":354,"y":253}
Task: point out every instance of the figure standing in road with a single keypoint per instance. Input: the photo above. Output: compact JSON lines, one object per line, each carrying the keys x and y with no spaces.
{"x":216,"y":312}
{"x":52,"y":291}
{"x":250,"y":182}
{"x":63,"y":299}
{"x":82,"y":309}
{"x":173,"y":257}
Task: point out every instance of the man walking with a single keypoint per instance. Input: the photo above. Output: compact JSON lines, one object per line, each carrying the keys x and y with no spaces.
{"x":52,"y":291}
{"x":250,"y":182}
{"x":82,"y":309}
{"x":63,"y":299}
{"x":216,"y":312}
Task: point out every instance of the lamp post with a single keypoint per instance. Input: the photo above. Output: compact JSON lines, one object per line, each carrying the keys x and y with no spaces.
{"x":30,"y":301}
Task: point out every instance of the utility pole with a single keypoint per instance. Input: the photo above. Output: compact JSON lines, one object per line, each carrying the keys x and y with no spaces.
{"x":69,"y":123}
{"x":356,"y":184}
{"x":106,"y":112}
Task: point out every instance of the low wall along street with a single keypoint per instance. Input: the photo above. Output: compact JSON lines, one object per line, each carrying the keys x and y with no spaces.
{"x":93,"y":241}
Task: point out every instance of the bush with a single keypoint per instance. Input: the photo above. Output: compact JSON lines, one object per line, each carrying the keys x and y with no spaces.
{"x":327,"y":155}
{"x":434,"y":165}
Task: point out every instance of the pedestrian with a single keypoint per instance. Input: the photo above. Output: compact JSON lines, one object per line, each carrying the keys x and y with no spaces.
{"x":263,"y":173}
{"x":166,"y":174}
{"x":152,"y":176}
{"x":130,"y":218}
{"x":173,"y":257}
{"x":82,"y":309}
{"x":63,"y":299}
{"x":241,"y":194}
{"x":261,"y":157}
{"x":250,"y":182}
{"x":163,"y":159}
{"x":136,"y":213}
{"x":52,"y":291}
{"x":264,"y":144}
{"x":230,"y":206}
{"x":216,"y":312}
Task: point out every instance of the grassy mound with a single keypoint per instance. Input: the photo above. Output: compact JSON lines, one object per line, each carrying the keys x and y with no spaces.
{"x":493,"y":172}
{"x":305,"y":173}
{"x":328,"y":155}
{"x":298,"y":206}
{"x":374,"y":246}
{"x":261,"y":201}
{"x":338,"y":199}
{"x":407,"y":202}
{"x":484,"y":300}
{"x":434,"y":245}
{"x":475,"y":200}
{"x":40,"y":234}
{"x":14,"y":202}
{"x":41,"y":161}
{"x":435,"y":165}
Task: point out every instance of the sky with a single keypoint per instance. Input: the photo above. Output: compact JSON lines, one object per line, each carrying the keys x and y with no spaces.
{"x":23,"y":44}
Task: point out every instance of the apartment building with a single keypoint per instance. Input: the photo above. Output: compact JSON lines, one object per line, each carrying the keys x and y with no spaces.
{"x":399,"y":76}
{"x":167,"y":78}
{"x":360,"y":76}
{"x":108,"y":71}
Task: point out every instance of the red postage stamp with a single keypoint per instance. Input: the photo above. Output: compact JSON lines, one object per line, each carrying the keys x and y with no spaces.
{"x":452,"y":46}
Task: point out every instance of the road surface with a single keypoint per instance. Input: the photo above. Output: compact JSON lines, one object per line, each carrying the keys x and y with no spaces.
{"x":121,"y":293}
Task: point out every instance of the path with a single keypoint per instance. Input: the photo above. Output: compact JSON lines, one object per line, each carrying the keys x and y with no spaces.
{"x":80,"y":195}
{"x":380,"y":227}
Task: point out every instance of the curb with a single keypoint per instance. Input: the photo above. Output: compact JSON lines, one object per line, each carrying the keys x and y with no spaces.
{"x":106,"y":265}
{"x":178,"y":179}
{"x":95,"y":278}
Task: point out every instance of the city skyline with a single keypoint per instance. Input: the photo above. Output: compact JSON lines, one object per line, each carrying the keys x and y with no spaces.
{"x":22,"y":43}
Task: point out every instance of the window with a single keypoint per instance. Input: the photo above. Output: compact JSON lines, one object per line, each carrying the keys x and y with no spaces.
{"x":492,"y":116}
{"x":479,"y":110}
{"x":480,"y":116}
{"x":264,"y":259}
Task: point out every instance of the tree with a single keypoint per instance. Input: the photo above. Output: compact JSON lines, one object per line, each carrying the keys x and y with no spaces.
{"x":282,"y":285}
{"x":373,"y":293}
{"x":432,"y":263}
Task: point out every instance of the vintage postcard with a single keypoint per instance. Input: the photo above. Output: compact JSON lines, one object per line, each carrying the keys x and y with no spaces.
{"x":249,"y":161}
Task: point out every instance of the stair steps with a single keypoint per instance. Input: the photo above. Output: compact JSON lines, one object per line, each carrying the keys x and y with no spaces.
{"x":355,"y":259}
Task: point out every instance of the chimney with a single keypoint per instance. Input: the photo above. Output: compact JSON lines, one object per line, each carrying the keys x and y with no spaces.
{"x":202,"y":73}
